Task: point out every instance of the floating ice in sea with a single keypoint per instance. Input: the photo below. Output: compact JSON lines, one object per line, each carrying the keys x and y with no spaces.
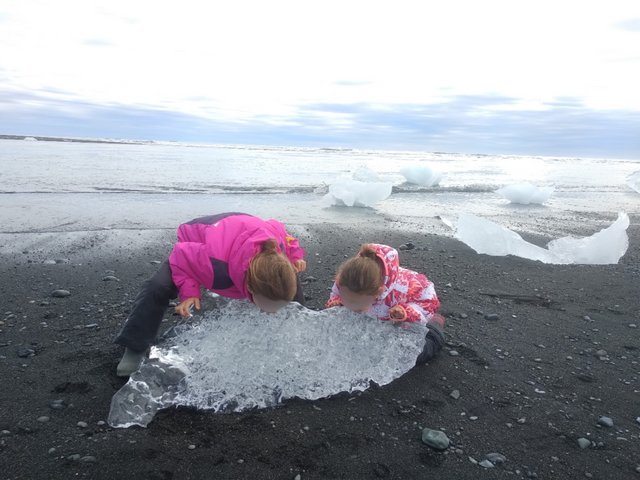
{"x":633,"y":181}
{"x":364,"y":189}
{"x":365,"y":174}
{"x":421,"y":175}
{"x":604,"y":247}
{"x":237,"y":358}
{"x":525,"y":193}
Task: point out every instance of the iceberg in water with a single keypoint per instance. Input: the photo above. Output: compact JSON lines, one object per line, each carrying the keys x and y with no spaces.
{"x":236,"y":358}
{"x":364,"y":189}
{"x":605,"y":247}
{"x":525,"y":193}
{"x":633,"y":181}
{"x":421,"y":175}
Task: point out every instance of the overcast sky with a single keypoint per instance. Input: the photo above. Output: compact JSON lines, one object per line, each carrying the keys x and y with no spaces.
{"x":548,"y":77}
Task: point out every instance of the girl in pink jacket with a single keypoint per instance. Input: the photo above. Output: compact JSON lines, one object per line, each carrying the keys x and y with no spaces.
{"x":374,"y":282}
{"x":232,"y":254}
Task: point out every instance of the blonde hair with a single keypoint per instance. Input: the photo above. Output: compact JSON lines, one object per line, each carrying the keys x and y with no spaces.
{"x":361,"y":274}
{"x":271,"y":274}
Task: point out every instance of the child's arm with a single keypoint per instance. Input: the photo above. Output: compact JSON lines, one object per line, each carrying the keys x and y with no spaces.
{"x":293,"y":250}
{"x":421,"y":304}
{"x":190,"y":268}
{"x":334,"y":298}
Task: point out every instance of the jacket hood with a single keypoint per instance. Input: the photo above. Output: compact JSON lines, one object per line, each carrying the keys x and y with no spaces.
{"x":391,"y":262}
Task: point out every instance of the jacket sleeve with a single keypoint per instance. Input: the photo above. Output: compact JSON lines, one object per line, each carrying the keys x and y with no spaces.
{"x":422,"y":301}
{"x":293,"y":249}
{"x":334,"y":298}
{"x":192,"y":232}
{"x":190,"y":268}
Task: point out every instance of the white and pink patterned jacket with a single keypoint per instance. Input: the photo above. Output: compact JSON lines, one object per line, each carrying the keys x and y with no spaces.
{"x":411,"y":290}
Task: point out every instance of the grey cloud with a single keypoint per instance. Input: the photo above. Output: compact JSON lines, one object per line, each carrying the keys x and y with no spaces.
{"x":463,"y":124}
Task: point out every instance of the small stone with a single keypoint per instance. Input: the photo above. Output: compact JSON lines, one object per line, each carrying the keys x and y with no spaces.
{"x":297,"y":477}
{"x":473,"y":418}
{"x":407,"y":246}
{"x":435,"y":439}
{"x":584,"y":443}
{"x":57,"y":404}
{"x":464,"y":315}
{"x":51,"y":450}
{"x":43,"y":419}
{"x":91,"y":325}
{"x":492,"y":316}
{"x":637,"y":419}
{"x":633,"y":325}
{"x":110,"y":278}
{"x":455,"y":394}
{"x":88,"y":459}
{"x":605,"y":421}
{"x":601,"y":353}
{"x":74,"y":458}
{"x":25,"y":352}
{"x":60,"y":293}
{"x":522,"y":420}
{"x":453,"y":353}
{"x":496,"y":458}
{"x":101,"y":423}
{"x":638,"y":469}
{"x":486,"y":464}
{"x":192,"y":447}
{"x":5,"y":433}
{"x":82,"y":424}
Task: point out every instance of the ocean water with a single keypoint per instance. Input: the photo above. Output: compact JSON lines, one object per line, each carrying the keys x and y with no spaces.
{"x":49,"y":186}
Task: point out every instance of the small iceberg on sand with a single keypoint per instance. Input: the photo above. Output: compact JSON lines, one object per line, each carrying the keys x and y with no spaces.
{"x":633,"y":181}
{"x":421,"y":175}
{"x":525,"y":193}
{"x":602,"y":248}
{"x":364,"y":189}
{"x":236,"y":358}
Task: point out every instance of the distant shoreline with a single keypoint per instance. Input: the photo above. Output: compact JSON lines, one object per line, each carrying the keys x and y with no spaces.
{"x":76,"y":140}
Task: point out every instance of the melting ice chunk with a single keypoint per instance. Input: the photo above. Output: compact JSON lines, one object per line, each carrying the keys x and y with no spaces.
{"x":633,"y":181}
{"x":237,"y":358}
{"x":421,"y":175}
{"x":604,"y":247}
{"x":364,"y":189}
{"x":365,"y":174}
{"x":354,"y":193}
{"x":525,"y":193}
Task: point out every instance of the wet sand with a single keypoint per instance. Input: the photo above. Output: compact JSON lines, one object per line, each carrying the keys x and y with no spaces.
{"x":563,"y":352}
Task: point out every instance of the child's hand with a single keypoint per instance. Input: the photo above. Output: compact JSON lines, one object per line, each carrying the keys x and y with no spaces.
{"x":184,"y":307}
{"x":300,"y":265}
{"x":397,"y":313}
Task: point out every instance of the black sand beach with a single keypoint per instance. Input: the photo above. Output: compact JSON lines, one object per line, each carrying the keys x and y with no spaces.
{"x":543,"y":352}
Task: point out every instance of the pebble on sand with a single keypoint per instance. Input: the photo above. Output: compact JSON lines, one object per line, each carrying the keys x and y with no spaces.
{"x":605,"y":421}
{"x":60,"y":293}
{"x":435,"y":439}
{"x":584,"y":443}
{"x":496,"y":458}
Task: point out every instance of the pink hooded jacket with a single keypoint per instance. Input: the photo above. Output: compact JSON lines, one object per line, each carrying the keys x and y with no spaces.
{"x":217,"y":256}
{"x":411,"y":290}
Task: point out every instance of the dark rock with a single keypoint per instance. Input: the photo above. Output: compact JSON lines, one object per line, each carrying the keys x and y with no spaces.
{"x":60,"y":293}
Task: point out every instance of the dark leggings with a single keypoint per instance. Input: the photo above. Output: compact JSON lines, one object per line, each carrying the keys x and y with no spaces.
{"x":433,"y":344}
{"x":141,"y":327}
